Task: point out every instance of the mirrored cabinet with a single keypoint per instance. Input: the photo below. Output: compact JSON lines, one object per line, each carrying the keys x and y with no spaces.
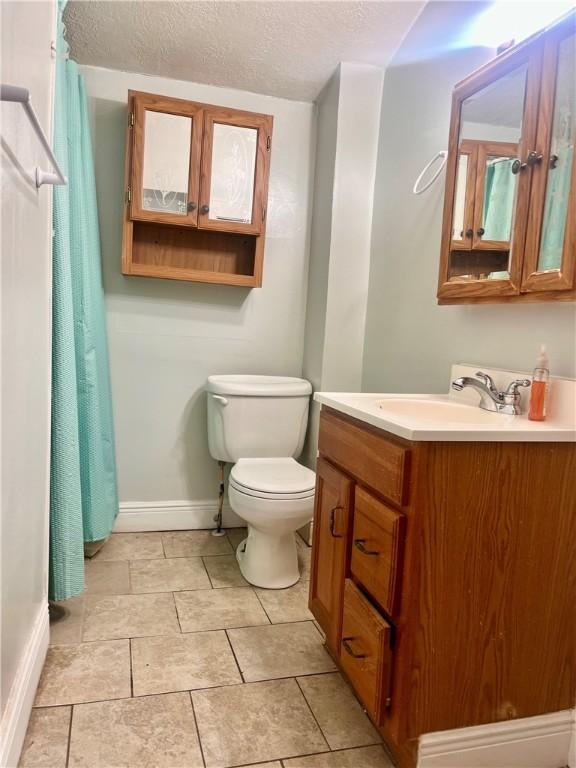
{"x":196,"y":191}
{"x":509,"y":226}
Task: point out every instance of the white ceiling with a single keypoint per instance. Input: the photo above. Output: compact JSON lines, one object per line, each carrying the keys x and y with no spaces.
{"x":286,"y":48}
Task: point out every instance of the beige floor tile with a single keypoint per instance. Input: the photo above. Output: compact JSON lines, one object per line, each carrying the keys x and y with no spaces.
{"x":105,"y":577}
{"x":68,"y":629}
{"x":366,"y":757}
{"x":118,"y":616}
{"x":224,"y":571}
{"x":46,"y":742}
{"x":168,"y":575}
{"x":236,"y":535}
{"x":85,"y":672}
{"x":283,"y":605}
{"x":154,"y":731}
{"x":280,"y":650}
{"x":338,"y":712}
{"x":250,"y":723}
{"x":275,"y":764}
{"x":219,"y":609}
{"x":304,"y":557}
{"x":131,"y":546}
{"x":194,"y":544}
{"x":182,"y":663}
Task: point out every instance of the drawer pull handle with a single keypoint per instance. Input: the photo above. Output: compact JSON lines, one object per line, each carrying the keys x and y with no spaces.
{"x":359,"y":544}
{"x":349,"y":650}
{"x":333,"y":522}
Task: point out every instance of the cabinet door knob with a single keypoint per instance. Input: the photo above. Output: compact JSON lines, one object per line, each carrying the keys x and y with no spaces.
{"x":192,"y":206}
{"x":469,"y":232}
{"x":205,"y":209}
{"x":360,"y":545}
{"x":480,"y":231}
{"x":349,"y":650}
{"x":333,"y":522}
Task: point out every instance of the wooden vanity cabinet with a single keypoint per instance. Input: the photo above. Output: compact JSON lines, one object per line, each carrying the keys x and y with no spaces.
{"x":457,"y":608}
{"x":509,"y":222}
{"x":196,"y":191}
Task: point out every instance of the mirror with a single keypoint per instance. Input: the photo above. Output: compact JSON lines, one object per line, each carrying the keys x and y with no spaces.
{"x":499,"y":195}
{"x":561,"y":159}
{"x":166,"y":162}
{"x":486,"y":178}
{"x":460,"y":198}
{"x":233,"y":168}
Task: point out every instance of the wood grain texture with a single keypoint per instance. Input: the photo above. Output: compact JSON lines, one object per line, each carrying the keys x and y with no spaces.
{"x":563,"y":279}
{"x":381,"y":463}
{"x":262,"y":124}
{"x":174,"y":247}
{"x":487,"y":149}
{"x":365,"y":655}
{"x":330,"y":550}
{"x":486,"y":626}
{"x":377,"y":549}
{"x":470,"y":150}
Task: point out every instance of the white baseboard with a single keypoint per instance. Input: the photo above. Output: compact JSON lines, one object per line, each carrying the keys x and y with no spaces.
{"x":172,"y":516}
{"x":21,"y":697}
{"x":532,"y":742}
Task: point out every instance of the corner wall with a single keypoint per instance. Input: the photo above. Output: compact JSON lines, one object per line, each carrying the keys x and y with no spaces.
{"x":348,"y":125}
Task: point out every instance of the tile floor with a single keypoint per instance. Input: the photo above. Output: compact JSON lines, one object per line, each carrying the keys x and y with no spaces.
{"x":171,"y":660}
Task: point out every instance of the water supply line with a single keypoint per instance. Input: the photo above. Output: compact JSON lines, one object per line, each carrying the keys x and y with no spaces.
{"x":218,"y":531}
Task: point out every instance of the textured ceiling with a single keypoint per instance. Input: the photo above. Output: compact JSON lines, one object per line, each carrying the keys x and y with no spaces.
{"x":278,"y":47}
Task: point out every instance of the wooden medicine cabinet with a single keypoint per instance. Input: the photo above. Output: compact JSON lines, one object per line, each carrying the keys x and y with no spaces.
{"x":509,"y":226}
{"x":196,"y":191}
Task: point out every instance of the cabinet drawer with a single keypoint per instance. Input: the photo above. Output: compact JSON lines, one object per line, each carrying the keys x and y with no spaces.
{"x":365,"y":654}
{"x":376,"y":460}
{"x":377,"y":549}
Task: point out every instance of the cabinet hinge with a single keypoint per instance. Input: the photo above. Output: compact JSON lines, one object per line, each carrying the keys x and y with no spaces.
{"x":388,"y":701}
{"x":129,"y":195}
{"x":263,"y":214}
{"x":131,"y":119}
{"x":268,"y":143}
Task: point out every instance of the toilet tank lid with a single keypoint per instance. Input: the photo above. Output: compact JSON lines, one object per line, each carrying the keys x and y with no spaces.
{"x":258,"y":386}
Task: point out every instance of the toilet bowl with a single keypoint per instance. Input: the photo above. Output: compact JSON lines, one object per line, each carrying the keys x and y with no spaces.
{"x":275,"y":496}
{"x":258,"y":424}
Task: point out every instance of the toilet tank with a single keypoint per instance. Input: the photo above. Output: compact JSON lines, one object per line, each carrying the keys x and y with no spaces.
{"x":256,"y":416}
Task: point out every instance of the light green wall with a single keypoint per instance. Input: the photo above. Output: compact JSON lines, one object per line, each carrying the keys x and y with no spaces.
{"x":165,"y":336}
{"x":411,"y":341}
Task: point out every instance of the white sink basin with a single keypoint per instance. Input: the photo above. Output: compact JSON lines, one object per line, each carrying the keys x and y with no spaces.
{"x":439,"y":412}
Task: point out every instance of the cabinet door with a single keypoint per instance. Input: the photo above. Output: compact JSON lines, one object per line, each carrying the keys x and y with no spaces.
{"x":551,"y":241}
{"x":235,"y":166}
{"x":496,"y":108}
{"x":465,"y":189}
{"x":166,"y":147}
{"x":329,"y":550}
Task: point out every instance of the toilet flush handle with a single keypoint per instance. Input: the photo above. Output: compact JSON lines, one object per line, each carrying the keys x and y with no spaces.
{"x":221,"y":400}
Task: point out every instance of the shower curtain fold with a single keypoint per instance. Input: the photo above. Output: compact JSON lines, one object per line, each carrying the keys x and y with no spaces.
{"x":83,"y":487}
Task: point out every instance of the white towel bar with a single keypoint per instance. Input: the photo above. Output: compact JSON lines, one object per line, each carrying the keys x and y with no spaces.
{"x":22,"y":96}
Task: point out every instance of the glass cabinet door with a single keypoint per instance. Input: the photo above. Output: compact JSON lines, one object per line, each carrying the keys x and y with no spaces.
{"x":166,"y":160}
{"x":492,"y":127}
{"x":551,"y":243}
{"x":235,"y":159}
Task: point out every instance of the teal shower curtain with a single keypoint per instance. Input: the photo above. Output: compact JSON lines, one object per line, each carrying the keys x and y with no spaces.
{"x":83,"y":491}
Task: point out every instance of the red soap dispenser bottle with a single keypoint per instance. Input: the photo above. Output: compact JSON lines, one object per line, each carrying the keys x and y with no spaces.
{"x":539,"y":389}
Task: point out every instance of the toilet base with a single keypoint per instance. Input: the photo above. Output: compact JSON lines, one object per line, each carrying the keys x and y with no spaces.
{"x":268,"y":561}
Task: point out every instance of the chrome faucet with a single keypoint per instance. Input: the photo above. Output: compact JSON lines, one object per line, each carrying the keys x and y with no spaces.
{"x":490,"y":398}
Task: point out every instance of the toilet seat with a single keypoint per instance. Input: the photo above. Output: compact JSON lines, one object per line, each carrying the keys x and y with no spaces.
{"x":273,"y":478}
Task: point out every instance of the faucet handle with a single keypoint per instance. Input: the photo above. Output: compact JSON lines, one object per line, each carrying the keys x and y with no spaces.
{"x":513,"y":386}
{"x":488,"y":380}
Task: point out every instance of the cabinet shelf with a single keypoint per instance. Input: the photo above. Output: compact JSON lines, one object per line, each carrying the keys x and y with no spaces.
{"x":196,"y":191}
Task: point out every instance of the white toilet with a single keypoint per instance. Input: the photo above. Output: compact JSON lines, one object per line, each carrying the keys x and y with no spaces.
{"x":258,"y":423}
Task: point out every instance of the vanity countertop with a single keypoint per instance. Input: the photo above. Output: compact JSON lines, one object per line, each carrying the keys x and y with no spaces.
{"x":457,"y":416}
